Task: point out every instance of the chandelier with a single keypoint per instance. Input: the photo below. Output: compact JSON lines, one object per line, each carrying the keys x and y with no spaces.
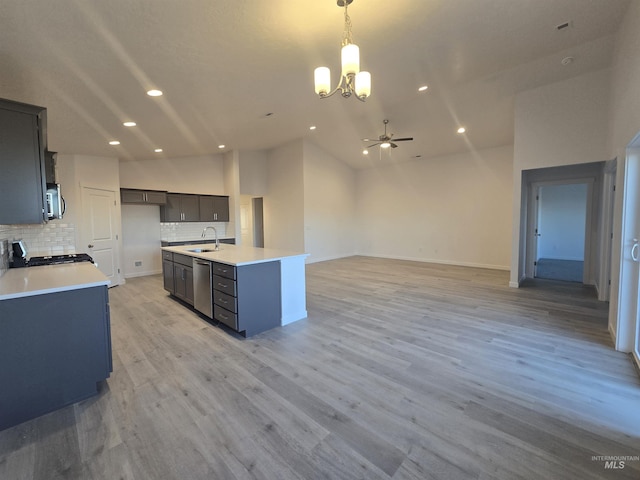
{"x":352,"y":80}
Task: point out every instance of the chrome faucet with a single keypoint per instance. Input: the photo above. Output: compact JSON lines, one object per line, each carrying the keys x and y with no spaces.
{"x":216,"y":233}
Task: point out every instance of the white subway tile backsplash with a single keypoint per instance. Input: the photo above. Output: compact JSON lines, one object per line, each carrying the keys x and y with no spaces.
{"x":49,"y":239}
{"x":184,"y":231}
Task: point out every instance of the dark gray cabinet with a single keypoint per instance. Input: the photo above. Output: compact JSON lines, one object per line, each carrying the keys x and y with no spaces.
{"x":247,"y":298}
{"x":54,"y":349}
{"x":22,"y":147}
{"x":167,"y":272}
{"x":142,"y":197}
{"x":183,"y":277}
{"x":214,"y":208}
{"x":180,"y":207}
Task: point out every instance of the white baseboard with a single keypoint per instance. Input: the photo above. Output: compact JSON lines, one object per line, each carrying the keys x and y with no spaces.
{"x":142,"y":274}
{"x":441,"y":262}
{"x":293,"y":317}
{"x":612,"y":333}
{"x":314,"y":259}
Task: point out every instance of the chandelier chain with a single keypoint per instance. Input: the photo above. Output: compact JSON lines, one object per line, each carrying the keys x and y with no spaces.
{"x":347,"y":39}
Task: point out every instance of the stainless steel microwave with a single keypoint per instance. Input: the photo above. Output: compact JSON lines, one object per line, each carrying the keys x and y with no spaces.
{"x":55,"y":201}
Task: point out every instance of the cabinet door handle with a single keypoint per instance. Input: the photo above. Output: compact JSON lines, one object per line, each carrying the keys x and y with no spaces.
{"x":223,"y":285}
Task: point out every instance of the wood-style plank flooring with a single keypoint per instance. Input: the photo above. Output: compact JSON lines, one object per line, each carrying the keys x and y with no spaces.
{"x":402,"y":370}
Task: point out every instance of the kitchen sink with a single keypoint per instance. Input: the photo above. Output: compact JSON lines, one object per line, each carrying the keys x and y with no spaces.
{"x":203,"y":250}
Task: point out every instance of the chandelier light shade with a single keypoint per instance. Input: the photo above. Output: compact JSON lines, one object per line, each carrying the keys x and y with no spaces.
{"x":352,"y":80}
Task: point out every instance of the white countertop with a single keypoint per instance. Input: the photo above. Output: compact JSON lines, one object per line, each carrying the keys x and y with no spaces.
{"x":28,"y":281}
{"x":236,"y":255}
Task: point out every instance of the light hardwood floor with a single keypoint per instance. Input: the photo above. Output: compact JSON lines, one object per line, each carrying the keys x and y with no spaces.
{"x":403,"y":370}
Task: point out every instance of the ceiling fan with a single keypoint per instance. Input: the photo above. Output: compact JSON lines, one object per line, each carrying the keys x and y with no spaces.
{"x":385,"y":140}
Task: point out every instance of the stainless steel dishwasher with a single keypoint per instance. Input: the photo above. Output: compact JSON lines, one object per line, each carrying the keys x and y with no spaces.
{"x":202,"y":291}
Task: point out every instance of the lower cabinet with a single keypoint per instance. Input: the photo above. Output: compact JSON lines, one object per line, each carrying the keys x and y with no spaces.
{"x":183,"y":277}
{"x":54,"y":349}
{"x":247,"y":298}
{"x":177,"y":274}
{"x":167,"y":272}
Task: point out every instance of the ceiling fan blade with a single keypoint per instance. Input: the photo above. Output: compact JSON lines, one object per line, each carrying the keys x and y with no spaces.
{"x":393,"y":145}
{"x":373,"y":145}
{"x":402,"y":139}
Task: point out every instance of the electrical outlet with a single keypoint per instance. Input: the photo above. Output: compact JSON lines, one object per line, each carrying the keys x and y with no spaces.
{"x":138,"y":263}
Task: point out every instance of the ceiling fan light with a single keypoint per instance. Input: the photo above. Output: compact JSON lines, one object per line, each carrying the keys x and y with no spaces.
{"x":322,"y":79}
{"x":350,"y":59}
{"x":385,"y":145}
{"x":363,"y":84}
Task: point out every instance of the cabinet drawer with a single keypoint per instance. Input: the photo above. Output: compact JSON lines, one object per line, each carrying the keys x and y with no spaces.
{"x":228,"y":271}
{"x":226,"y":301}
{"x":167,"y":256}
{"x":183,"y":259}
{"x":224,"y":285}
{"x":230,"y":319}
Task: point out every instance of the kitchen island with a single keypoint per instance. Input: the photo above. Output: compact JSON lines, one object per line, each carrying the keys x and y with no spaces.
{"x":250,"y":289}
{"x":55,"y":338}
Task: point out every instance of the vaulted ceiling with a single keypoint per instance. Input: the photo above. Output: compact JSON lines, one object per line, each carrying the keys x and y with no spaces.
{"x":240,"y":73}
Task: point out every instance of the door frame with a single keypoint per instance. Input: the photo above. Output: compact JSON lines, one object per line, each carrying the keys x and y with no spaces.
{"x":82,"y":231}
{"x":532,"y":224}
{"x":624,"y":312}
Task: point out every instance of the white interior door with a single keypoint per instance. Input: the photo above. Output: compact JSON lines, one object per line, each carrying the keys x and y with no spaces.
{"x":99,"y":235}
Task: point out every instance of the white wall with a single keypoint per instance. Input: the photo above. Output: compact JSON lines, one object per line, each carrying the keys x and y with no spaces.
{"x":624,"y":112}
{"x":253,"y":172}
{"x":562,"y":213}
{"x":564,"y":123}
{"x":329,"y":206}
{"x":624,"y":118}
{"x":284,"y":203}
{"x":454,"y":209}
{"x":141,"y":240}
{"x":202,"y":174}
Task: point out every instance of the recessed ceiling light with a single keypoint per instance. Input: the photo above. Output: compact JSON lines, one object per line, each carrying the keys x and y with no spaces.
{"x":114,"y":142}
{"x":158,"y":150}
{"x":462,"y":130}
{"x":221,"y":146}
{"x":423,"y":88}
{"x":312,"y":127}
{"x":365,"y":152}
{"x":154,"y":93}
{"x":129,"y":124}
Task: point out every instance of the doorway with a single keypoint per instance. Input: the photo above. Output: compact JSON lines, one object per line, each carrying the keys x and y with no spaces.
{"x":98,"y":233}
{"x":251,"y":221}
{"x":560,"y":232}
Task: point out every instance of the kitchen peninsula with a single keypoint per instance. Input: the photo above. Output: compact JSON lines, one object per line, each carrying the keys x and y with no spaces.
{"x":246,"y":288}
{"x":55,"y":339}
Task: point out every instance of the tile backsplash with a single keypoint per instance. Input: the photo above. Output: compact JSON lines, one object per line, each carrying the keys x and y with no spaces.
{"x":53,"y":238}
{"x":177,"y":231}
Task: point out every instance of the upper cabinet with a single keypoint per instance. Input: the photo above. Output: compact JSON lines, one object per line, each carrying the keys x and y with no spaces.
{"x":214,"y":208}
{"x":187,"y":207}
{"x":142,"y":197}
{"x":22,"y":147}
{"x":180,"y":207}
